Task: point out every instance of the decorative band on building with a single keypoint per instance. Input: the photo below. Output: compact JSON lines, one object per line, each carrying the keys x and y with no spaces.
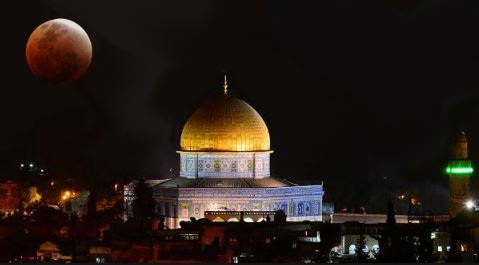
{"x":225,"y":165}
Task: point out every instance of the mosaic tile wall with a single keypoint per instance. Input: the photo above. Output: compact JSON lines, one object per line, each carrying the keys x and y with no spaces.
{"x":225,"y":165}
{"x":298,"y":202}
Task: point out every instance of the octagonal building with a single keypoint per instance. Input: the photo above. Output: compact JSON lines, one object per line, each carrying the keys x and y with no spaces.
{"x":225,"y":166}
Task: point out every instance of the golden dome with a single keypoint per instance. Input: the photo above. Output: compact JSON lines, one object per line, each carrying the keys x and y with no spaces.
{"x":225,"y":124}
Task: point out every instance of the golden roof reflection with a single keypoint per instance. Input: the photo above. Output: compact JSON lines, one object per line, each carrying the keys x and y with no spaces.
{"x":225,"y":124}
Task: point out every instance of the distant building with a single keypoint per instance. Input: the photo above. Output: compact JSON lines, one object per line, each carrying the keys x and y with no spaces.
{"x":351,"y":231}
{"x":100,"y":254}
{"x":134,"y":253}
{"x":49,"y":251}
{"x":459,"y":170}
{"x":374,"y":218}
{"x":225,"y":166}
{"x":239,"y":242}
{"x":365,"y":218}
{"x":9,"y":196}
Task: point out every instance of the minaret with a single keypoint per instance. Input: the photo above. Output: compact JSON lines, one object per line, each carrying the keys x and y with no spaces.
{"x":459,"y":170}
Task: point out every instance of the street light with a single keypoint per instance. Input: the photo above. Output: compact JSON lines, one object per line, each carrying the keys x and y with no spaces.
{"x":470,"y":204}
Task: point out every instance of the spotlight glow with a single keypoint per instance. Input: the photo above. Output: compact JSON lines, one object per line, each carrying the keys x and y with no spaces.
{"x":470,"y":204}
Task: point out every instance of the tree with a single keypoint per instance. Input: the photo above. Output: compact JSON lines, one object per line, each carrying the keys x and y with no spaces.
{"x":454,"y":254}
{"x":91,"y":205}
{"x":144,"y":204}
{"x":395,"y":245}
{"x":425,"y":247}
{"x":32,"y":196}
{"x":389,"y":241}
{"x":280,"y":216}
{"x":162,"y":222}
{"x":47,"y":221}
{"x":391,"y":216}
{"x":362,"y":254}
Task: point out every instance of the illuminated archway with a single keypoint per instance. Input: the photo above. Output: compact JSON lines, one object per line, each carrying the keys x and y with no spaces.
{"x":248,"y":220}
{"x":218,"y":219}
{"x":233,"y":220}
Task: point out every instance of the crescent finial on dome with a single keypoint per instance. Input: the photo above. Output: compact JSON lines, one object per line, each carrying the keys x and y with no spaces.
{"x":225,"y":86}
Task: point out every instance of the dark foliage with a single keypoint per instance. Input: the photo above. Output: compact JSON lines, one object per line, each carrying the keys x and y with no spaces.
{"x":91,"y":206}
{"x":144,"y":204}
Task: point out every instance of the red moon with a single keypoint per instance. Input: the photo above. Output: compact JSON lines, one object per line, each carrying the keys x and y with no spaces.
{"x":59,"y":51}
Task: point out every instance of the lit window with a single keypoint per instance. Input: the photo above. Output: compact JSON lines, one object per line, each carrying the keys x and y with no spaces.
{"x":439,"y":248}
{"x":448,"y":248}
{"x":352,"y":249}
{"x":366,"y":248}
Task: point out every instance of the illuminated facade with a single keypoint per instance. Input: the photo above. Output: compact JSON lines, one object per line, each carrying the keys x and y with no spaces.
{"x":459,"y":170}
{"x":9,"y":197}
{"x":225,"y":166}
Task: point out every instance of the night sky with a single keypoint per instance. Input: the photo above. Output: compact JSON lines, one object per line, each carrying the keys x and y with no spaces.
{"x":363,"y":95}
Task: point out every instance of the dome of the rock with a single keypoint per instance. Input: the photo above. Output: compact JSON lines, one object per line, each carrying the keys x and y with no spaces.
{"x":225,"y":124}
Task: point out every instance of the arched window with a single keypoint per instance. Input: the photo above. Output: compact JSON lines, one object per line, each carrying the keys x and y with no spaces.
{"x":307,"y":206}
{"x":365,"y":249}
{"x":300,"y":209}
{"x":352,"y":249}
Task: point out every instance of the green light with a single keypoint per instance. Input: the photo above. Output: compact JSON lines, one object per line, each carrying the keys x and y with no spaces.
{"x":459,"y":170}
{"x":459,"y":167}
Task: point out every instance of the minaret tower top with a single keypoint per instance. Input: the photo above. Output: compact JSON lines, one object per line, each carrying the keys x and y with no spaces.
{"x":459,"y":148}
